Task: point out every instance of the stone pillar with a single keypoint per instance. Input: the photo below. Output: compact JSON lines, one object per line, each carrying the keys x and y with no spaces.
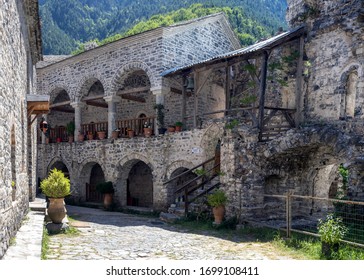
{"x":78,"y":117}
{"x":111,"y":112}
{"x":159,"y":93}
{"x":45,"y":117}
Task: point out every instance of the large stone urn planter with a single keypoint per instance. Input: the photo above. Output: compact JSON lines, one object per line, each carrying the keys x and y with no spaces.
{"x":218,"y":212}
{"x":56,"y":210}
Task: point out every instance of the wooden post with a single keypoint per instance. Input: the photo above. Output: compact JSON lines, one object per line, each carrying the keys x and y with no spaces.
{"x":195,"y":101}
{"x":288,"y":214}
{"x":263,"y":85}
{"x":183,"y":113}
{"x":227,"y":90}
{"x":299,"y":77}
{"x":186,"y":201}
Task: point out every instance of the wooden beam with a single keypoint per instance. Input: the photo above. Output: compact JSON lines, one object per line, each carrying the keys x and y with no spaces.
{"x":299,"y":77}
{"x":133,"y":90}
{"x":60,"y":104}
{"x":96,"y":104}
{"x":263,"y":85}
{"x":183,"y":109}
{"x":94,"y":97}
{"x":133,"y":98}
{"x":227,"y":89}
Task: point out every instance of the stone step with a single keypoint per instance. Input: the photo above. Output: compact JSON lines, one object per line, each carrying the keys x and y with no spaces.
{"x":38,"y":205}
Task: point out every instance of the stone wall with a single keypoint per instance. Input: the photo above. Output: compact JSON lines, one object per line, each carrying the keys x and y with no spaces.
{"x":16,"y":81}
{"x":304,"y":162}
{"x":335,"y":51}
{"x":163,"y":155}
{"x":151,"y":52}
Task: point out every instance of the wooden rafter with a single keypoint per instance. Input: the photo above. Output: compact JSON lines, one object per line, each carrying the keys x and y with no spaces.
{"x":96,"y":104}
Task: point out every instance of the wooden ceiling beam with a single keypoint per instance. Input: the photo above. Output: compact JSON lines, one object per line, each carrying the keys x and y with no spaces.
{"x":97,"y":104}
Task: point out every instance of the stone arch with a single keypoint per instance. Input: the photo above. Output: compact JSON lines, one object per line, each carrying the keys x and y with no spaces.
{"x":349,"y":92}
{"x":60,"y":164}
{"x":56,"y":92}
{"x":126,"y":168}
{"x":130,"y":67}
{"x":86,"y":189}
{"x":211,"y":138}
{"x":85,"y":84}
{"x":175,"y":169}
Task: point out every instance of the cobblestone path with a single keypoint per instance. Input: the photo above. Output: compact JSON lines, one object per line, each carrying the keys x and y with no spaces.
{"x":118,"y":236}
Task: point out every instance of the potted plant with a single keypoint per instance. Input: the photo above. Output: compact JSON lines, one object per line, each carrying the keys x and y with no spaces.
{"x":107,"y":189}
{"x":148,"y":129}
{"x":70,"y":128}
{"x":160,"y":118}
{"x":130,"y":132}
{"x":178,"y":126}
{"x":81,"y":136}
{"x":56,"y":187}
{"x":115,"y":133}
{"x":90,"y":135}
{"x":171,"y":128}
{"x":101,"y":134}
{"x":217,"y":200}
{"x":331,"y":231}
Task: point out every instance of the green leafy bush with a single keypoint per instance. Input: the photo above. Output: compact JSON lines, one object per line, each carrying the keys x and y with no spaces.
{"x":332,"y":229}
{"x":218,"y":198}
{"x":56,"y":185}
{"x":105,"y":187}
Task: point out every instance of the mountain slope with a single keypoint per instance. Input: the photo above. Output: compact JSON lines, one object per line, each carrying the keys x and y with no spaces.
{"x":66,"y":23}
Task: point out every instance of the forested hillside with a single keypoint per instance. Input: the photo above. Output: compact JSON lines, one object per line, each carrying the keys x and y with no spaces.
{"x":68,"y":23}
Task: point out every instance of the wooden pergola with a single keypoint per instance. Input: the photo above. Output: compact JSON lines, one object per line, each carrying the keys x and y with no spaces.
{"x":261,"y":50}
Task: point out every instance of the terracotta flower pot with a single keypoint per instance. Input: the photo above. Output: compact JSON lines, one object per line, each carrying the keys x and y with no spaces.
{"x":178,"y":128}
{"x":148,"y":131}
{"x":171,"y":129}
{"x":101,"y":135}
{"x":56,"y":210}
{"x":70,"y":139}
{"x":90,"y":136}
{"x":131,"y":133}
{"x":115,"y":134}
{"x":81,"y":137}
{"x":108,"y":198}
{"x":218,"y":212}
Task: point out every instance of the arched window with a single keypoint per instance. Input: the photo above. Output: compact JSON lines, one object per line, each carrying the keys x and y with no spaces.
{"x":350,"y":98}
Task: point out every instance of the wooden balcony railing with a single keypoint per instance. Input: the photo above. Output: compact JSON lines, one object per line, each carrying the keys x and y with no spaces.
{"x":58,"y":134}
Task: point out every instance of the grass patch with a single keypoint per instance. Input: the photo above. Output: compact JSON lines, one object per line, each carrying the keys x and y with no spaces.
{"x":45,"y":244}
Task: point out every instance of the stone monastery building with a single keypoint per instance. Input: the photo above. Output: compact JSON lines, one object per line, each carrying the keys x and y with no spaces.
{"x":279,"y":116}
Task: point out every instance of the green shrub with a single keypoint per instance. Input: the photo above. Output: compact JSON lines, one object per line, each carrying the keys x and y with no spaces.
{"x":218,"y":198}
{"x":56,"y":185}
{"x":332,"y":229}
{"x":105,"y":187}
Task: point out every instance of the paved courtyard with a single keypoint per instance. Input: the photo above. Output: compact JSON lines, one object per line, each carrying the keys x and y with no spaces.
{"x":118,"y":236}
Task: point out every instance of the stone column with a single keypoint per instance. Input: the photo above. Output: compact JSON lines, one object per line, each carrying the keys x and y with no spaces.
{"x":45,"y":117}
{"x":159,"y":99}
{"x":78,"y":117}
{"x":111,"y":112}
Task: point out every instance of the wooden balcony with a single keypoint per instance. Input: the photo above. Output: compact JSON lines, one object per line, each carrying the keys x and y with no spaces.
{"x":58,"y":134}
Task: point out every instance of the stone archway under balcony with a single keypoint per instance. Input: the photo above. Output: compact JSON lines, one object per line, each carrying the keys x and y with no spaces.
{"x":136,"y":182}
{"x":61,"y":113}
{"x":91,"y":173}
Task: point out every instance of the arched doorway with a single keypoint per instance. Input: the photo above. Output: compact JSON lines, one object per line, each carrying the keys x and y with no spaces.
{"x":175,"y":185}
{"x":140,"y":185}
{"x":60,"y":166}
{"x":96,"y":176}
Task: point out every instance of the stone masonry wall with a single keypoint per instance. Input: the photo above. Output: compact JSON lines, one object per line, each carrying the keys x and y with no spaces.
{"x":153,"y":52}
{"x":163,"y":154}
{"x":14,"y":75}
{"x":334,"y":49}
